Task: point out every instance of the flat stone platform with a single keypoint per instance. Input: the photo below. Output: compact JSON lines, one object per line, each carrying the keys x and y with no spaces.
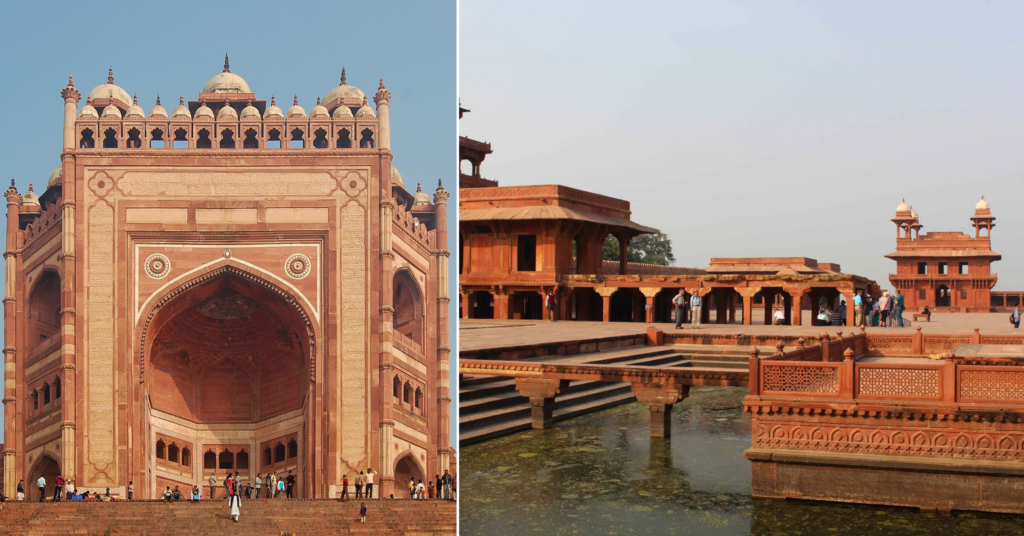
{"x":481,"y":334}
{"x":1002,"y":351}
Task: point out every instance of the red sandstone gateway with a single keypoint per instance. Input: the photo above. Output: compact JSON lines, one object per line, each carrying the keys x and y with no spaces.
{"x":228,"y":287}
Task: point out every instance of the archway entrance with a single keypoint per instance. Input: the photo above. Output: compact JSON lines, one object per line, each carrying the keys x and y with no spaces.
{"x":481,"y":304}
{"x":942,"y":296}
{"x":228,"y":358}
{"x":627,"y":305}
{"x":406,"y":469}
{"x":49,"y":469}
{"x":526,"y":305}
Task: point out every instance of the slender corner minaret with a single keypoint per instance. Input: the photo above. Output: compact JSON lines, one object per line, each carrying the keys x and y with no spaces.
{"x":381,"y":99}
{"x":10,"y":346}
{"x":444,"y":398}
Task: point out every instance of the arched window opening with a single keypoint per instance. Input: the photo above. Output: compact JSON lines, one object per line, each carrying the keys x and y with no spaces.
{"x":46,"y":394}
{"x":250,"y":141}
{"x":242,"y":460}
{"x":56,"y":388}
{"x":156,"y":139}
{"x":366,"y":141}
{"x":87,"y":141}
{"x":44,"y":306}
{"x":274,"y":139}
{"x":172,"y":453}
{"x":320,"y":139}
{"x":397,"y":387}
{"x":408,"y":319}
{"x":181,"y":139}
{"x":110,"y":139}
{"x":226,"y":460}
{"x":279,"y":453}
{"x":210,"y":460}
{"x":344,"y":139}
{"x":419,"y":398}
{"x":407,"y":393}
{"x":466,"y":167}
{"x":134,"y":139}
{"x":293,"y":449}
{"x":297,"y":142}
{"x":161,"y":450}
{"x":204,"y":141}
{"x":268,"y":456}
{"x":35,"y":399}
{"x":227,"y":139}
{"x":186,"y":457}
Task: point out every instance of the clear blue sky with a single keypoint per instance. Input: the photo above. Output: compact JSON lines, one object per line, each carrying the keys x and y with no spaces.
{"x":760,"y":128}
{"x":282,"y":48}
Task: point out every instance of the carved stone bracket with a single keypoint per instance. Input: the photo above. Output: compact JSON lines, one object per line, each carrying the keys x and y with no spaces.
{"x":659,"y":399}
{"x":542,"y":393}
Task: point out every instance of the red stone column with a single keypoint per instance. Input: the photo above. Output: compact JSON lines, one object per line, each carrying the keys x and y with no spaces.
{"x":732,"y":307}
{"x":464,"y":298}
{"x":659,"y":399}
{"x":850,"y":311}
{"x":501,"y":304}
{"x":542,"y":393}
{"x":796,"y":314}
{"x":13,"y":444}
{"x":748,"y":302}
{"x":623,"y":253}
{"x":649,"y":294}
{"x":606,"y":302}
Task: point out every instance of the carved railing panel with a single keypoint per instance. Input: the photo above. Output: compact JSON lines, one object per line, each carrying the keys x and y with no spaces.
{"x":898,"y":382}
{"x":788,"y":378}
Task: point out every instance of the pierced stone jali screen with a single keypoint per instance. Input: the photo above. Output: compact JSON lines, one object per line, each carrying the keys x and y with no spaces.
{"x":992,"y":384}
{"x":888,"y":345}
{"x":898,"y":382}
{"x":800,"y":379}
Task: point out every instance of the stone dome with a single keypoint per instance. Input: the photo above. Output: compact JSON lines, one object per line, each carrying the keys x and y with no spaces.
{"x":421,"y":197}
{"x":913,"y":213}
{"x":903,"y":206}
{"x":250,"y":112}
{"x":981,"y":205}
{"x":344,"y":94}
{"x":273,"y":110}
{"x":55,"y":178}
{"x":396,"y":178}
{"x":227,"y":112}
{"x":135,"y":109}
{"x":181,"y":110}
{"x":296,"y":109}
{"x":342,"y":112}
{"x":226,"y":82}
{"x":157,"y":110}
{"x":88,"y":111}
{"x":111,"y":111}
{"x":204,"y":111}
{"x":365,"y":111}
{"x":30,"y":197}
{"x":319,"y":110}
{"x":110,"y":91}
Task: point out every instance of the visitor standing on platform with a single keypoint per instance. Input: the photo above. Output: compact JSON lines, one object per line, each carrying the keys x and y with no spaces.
{"x":369,"y":482}
{"x":234,"y":503}
{"x":360,"y":479}
{"x":898,"y":308}
{"x":131,"y":490}
{"x":280,"y":488}
{"x":679,"y":301}
{"x":213,"y":485}
{"x":41,"y":483}
{"x":344,"y":487}
{"x":412,"y":488}
{"x":437,"y":487}
{"x":69,"y":488}
{"x":695,"y":307}
{"x":858,"y":309}
{"x":362,"y":513}
{"x":446,"y":480}
{"x":551,"y":302}
{"x":273,"y":486}
{"x":21,"y":490}
{"x":289,"y":485}
{"x":259,"y":485}
{"x":883,"y":306}
{"x":58,"y":488}
{"x":420,"y":490}
{"x":1016,"y":317}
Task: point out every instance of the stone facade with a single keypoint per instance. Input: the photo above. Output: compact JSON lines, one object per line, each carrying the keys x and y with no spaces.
{"x":228,"y":287}
{"x":945,"y":271}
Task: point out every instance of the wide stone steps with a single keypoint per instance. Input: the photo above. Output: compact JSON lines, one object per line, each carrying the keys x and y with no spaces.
{"x":258,"y":517}
{"x":489,"y":406}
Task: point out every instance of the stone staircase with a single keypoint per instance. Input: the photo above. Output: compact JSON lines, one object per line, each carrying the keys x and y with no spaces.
{"x":490,"y":406}
{"x":301,"y":517}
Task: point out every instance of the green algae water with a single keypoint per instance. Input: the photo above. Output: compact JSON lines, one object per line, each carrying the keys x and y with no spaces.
{"x":603,"y":474}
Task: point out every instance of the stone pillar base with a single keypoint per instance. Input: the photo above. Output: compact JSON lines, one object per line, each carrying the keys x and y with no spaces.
{"x":541,"y":392}
{"x":659,"y":399}
{"x":541,"y":412}
{"x":661,"y":419}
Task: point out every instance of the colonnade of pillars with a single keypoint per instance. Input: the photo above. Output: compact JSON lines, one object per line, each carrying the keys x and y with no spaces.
{"x":522,"y":304}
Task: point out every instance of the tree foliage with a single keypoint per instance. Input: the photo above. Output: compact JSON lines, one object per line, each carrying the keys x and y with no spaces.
{"x":645,"y":248}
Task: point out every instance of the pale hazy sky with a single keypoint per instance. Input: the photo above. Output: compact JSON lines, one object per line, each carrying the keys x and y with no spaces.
{"x":760,"y":128}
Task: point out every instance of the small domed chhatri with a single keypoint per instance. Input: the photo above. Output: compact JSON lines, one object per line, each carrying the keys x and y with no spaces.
{"x":181,"y":110}
{"x":204,"y":111}
{"x":903,"y":206}
{"x":365,"y":111}
{"x":30,"y":198}
{"x":296,"y":110}
{"x":157,"y":110}
{"x":88,"y":110}
{"x":319,"y":110}
{"x":104,"y":93}
{"x":55,"y":178}
{"x":273,"y":110}
{"x":344,"y":95}
{"x":250,"y":112}
{"x":421,"y":197}
{"x":982,"y":204}
{"x":396,"y":178}
{"x":342,"y":112}
{"x":227,"y":112}
{"x":226,"y":82}
{"x":111,"y":111}
{"x":135,"y":110}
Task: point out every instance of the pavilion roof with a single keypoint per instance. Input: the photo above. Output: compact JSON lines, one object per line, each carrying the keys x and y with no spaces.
{"x":547,"y":213}
{"x":911,"y":253}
